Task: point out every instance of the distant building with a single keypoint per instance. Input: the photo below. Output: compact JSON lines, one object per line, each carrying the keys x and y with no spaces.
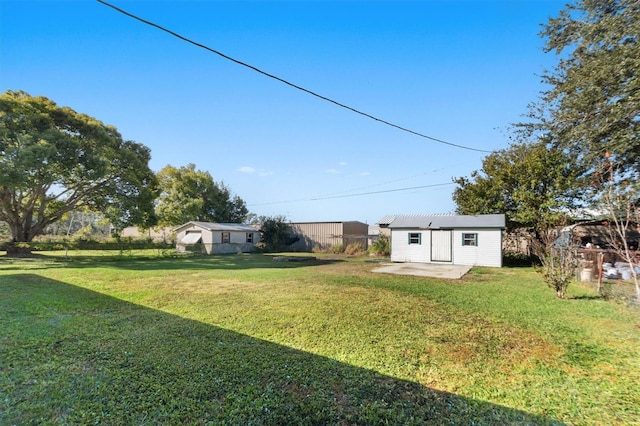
{"x":216,"y":238}
{"x":324,"y":235}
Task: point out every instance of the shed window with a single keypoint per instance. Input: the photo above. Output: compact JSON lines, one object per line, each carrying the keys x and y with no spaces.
{"x":469,"y":239}
{"x":226,"y":237}
{"x":415,"y":238}
{"x":250,"y":237}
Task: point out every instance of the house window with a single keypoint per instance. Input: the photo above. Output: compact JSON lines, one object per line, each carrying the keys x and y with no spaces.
{"x":226,"y":237}
{"x":469,"y":239}
{"x":415,"y":238}
{"x":250,"y":237}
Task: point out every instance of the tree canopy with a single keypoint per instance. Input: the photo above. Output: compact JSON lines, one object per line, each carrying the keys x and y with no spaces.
{"x":590,"y":110}
{"x":188,"y":194}
{"x":593,"y":103}
{"x":275,"y":232}
{"x":531,"y":184}
{"x":54,"y":160}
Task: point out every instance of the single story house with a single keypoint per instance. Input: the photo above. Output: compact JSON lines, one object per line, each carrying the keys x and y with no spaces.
{"x":216,"y":238}
{"x":455,"y":239}
{"x":324,"y":235}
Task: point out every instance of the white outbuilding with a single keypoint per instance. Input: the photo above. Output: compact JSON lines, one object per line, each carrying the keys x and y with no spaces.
{"x":454,"y":239}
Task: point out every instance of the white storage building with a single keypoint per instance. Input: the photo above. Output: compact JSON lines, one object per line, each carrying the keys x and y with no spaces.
{"x":455,"y":239}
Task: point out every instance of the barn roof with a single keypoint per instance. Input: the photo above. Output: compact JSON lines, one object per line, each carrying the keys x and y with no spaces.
{"x":214,"y":226}
{"x":443,"y":221}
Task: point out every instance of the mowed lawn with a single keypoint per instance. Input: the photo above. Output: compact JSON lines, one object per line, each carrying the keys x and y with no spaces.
{"x":243,"y":339}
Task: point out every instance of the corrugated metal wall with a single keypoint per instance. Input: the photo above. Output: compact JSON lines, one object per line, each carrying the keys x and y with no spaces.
{"x":327,"y":234}
{"x":355,"y":233}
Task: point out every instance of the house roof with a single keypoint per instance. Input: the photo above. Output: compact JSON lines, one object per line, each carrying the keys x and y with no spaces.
{"x":330,"y":221}
{"x":443,"y":221}
{"x":214,"y":226}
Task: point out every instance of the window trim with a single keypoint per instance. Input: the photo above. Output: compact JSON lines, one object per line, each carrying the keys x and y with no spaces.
{"x":412,"y":236}
{"x":470,"y":242}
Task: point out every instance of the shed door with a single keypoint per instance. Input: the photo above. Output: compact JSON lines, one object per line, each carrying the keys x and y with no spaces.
{"x":441,"y":248}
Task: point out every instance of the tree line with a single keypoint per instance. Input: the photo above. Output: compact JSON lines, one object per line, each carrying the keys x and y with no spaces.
{"x":577,"y":150}
{"x":56,"y":163}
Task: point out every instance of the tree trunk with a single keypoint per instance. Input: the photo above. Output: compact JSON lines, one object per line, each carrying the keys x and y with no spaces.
{"x":20,"y":236}
{"x":17,"y":250}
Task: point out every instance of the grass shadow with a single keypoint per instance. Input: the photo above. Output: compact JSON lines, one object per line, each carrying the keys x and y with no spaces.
{"x":175,"y":262}
{"x":71,"y":355}
{"x":587,"y":297}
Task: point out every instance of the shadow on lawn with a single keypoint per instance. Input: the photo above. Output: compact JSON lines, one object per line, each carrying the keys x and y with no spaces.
{"x":179,"y":262}
{"x":71,"y":355}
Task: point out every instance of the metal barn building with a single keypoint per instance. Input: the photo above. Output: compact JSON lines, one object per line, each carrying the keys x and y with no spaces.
{"x":324,"y":235}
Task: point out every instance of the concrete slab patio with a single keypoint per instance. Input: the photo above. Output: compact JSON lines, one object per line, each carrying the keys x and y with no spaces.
{"x":432,"y":270}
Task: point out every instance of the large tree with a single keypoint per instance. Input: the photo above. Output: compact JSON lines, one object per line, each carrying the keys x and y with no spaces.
{"x":593,"y":102}
{"x":532,"y":184}
{"x":54,"y":160}
{"x":188,"y":194}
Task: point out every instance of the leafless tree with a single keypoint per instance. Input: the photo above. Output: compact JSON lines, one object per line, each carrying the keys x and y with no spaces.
{"x":618,"y":197}
{"x":558,"y":261}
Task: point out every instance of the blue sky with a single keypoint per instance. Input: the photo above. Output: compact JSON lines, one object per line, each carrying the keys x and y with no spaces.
{"x":460,"y":71}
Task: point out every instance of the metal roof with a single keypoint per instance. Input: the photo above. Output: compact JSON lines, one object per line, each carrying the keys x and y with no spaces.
{"x":326,"y":222}
{"x":226,"y":227}
{"x":444,"y":221}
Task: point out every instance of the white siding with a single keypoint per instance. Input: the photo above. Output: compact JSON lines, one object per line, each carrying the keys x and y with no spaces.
{"x":206,"y":236}
{"x":402,"y":251}
{"x":488,"y":252}
{"x":212,"y":240}
{"x":235,"y":237}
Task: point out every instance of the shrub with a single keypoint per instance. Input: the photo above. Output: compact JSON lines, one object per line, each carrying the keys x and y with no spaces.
{"x":275,"y":233}
{"x":354,"y":249}
{"x":512,"y":258}
{"x":381,"y":246}
{"x":336,"y":249}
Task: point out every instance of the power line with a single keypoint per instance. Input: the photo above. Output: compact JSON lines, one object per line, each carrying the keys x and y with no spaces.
{"x":351,"y":195}
{"x":324,"y":98}
{"x":381,"y":184}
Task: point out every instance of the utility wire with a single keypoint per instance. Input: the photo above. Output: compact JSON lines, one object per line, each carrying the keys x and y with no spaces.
{"x":351,"y":195}
{"x":183,"y":38}
{"x":347,"y":191}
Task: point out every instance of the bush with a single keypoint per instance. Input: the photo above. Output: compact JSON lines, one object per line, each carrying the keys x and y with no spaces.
{"x":512,"y":258}
{"x":381,"y":246}
{"x":354,"y":249}
{"x":87,"y":244}
{"x":275,"y":233}
{"x":336,"y":249}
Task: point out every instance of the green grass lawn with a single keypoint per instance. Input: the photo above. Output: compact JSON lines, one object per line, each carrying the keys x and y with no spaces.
{"x":241,"y":339}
